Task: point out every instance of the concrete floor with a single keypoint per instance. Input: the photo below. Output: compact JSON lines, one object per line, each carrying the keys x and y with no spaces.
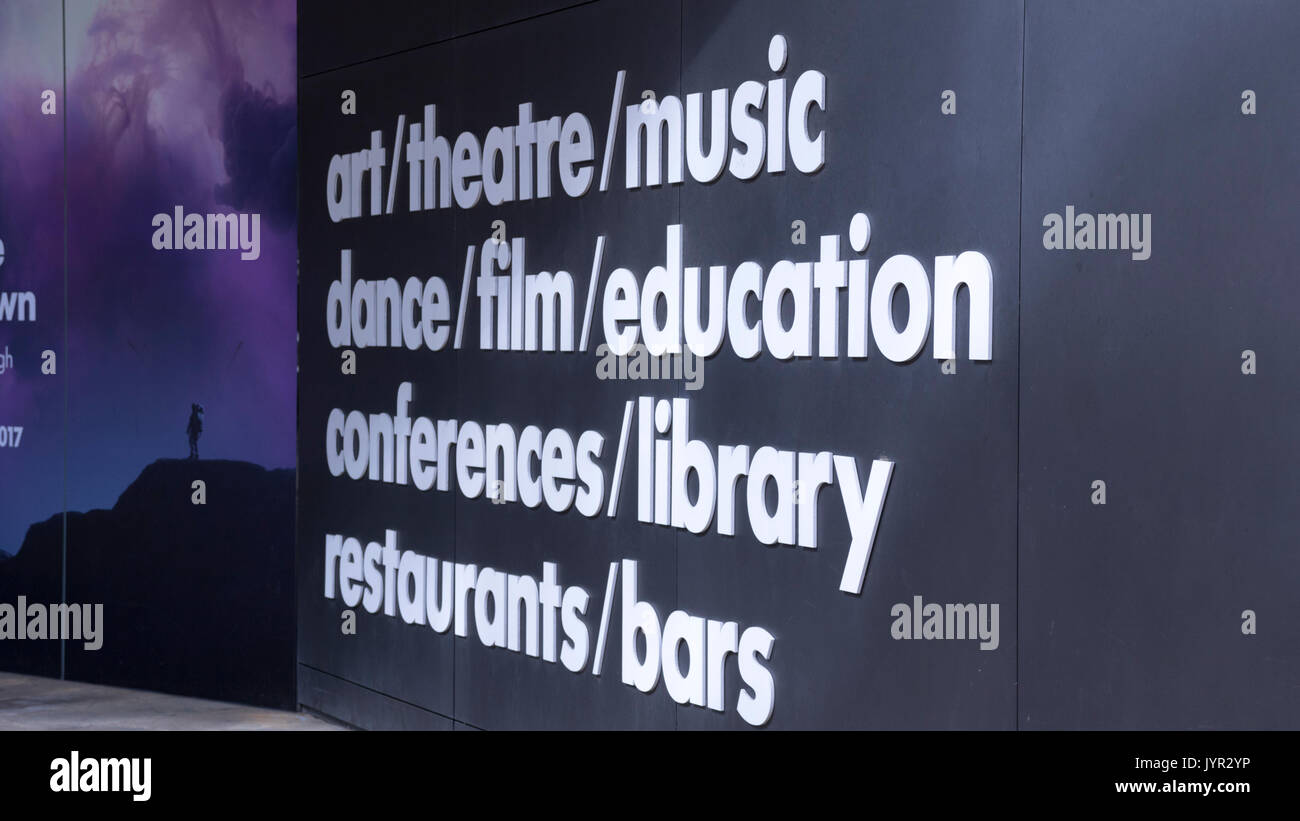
{"x":31,"y":703}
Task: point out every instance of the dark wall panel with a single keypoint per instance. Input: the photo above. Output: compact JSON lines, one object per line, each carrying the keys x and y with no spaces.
{"x":1104,"y":367}
{"x":384,"y":651}
{"x":1132,"y":369}
{"x":931,"y":184}
{"x":337,"y":33}
{"x":570,"y":71}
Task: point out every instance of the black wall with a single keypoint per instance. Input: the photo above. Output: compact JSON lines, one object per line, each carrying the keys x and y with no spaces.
{"x":1131,"y":372}
{"x":1124,"y":615}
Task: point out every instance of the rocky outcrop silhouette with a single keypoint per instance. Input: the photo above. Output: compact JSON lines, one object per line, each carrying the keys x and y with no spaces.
{"x":198,"y":598}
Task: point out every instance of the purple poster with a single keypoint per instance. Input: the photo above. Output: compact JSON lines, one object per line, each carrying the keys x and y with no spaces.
{"x":167,"y":431}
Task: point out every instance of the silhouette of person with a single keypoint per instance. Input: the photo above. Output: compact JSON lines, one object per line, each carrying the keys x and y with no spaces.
{"x":195,"y":428}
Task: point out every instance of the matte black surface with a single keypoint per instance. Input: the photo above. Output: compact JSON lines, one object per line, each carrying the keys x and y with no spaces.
{"x":386,"y":652}
{"x":952,"y":437}
{"x":931,"y":185}
{"x":337,"y":33}
{"x":495,"y":688}
{"x":1132,"y":370}
{"x":1126,"y":615}
{"x":357,"y":706}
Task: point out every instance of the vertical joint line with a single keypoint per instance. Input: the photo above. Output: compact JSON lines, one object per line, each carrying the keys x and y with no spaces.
{"x":63,"y":570}
{"x":1024,"y":47}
